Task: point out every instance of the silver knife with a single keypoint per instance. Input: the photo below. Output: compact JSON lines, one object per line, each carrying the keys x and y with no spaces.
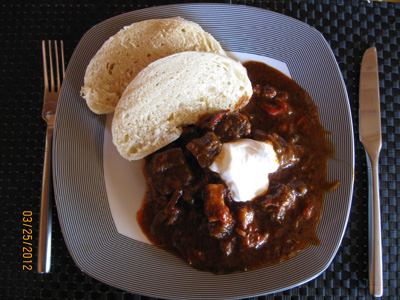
{"x":371,"y":138}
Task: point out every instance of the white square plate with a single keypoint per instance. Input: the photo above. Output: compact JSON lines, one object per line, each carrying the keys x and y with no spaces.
{"x":98,"y":220}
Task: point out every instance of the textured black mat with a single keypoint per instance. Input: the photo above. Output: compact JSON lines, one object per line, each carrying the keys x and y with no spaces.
{"x":350,"y":27}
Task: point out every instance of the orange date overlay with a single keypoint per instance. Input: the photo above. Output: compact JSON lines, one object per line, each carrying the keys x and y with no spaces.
{"x":27,"y":240}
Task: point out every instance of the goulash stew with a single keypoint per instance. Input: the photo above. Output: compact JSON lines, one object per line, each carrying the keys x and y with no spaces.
{"x":189,"y":210}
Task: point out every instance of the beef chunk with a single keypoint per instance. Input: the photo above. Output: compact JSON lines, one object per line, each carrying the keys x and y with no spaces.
{"x":254,"y":239}
{"x":215,"y":207}
{"x":169,"y":171}
{"x":205,"y":149}
{"x":170,"y":212}
{"x":287,"y":153}
{"x":249,"y":232}
{"x":283,"y":197}
{"x":219,"y":216}
{"x":233,"y":126}
{"x":166,"y":216}
{"x":227,"y":245}
{"x":245,"y":217}
{"x":260,"y":135}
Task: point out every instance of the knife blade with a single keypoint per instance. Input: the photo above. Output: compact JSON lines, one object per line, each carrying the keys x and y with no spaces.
{"x":371,"y":138}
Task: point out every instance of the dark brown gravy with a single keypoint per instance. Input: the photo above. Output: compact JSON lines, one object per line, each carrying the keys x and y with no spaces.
{"x":189,"y":210}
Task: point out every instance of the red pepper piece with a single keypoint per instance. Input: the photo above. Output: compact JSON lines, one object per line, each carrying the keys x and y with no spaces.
{"x":211,"y":120}
{"x":301,"y":120}
{"x":276,"y":108}
{"x":308,"y":211}
{"x":283,"y":105}
{"x":218,"y":117}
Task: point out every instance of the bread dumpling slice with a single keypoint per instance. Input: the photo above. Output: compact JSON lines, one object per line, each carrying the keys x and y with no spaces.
{"x":173,"y":92}
{"x":126,"y":53}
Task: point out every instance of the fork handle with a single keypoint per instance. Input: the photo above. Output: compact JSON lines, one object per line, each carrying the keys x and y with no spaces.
{"x":45,"y":225}
{"x":375,"y":239}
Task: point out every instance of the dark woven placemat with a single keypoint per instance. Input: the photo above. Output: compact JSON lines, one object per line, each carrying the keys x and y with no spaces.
{"x":349,"y":27}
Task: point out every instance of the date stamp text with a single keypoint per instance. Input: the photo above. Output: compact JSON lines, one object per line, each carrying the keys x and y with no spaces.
{"x":27,"y":239}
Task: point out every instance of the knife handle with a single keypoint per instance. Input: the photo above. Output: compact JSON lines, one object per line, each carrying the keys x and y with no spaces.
{"x":375,"y":240}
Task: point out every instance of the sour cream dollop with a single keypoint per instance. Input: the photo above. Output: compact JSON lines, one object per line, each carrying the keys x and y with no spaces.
{"x":245,"y":165}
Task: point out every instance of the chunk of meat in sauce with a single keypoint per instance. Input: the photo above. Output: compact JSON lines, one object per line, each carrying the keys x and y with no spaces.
{"x":244,"y":217}
{"x":219,"y":217}
{"x":287,"y":152}
{"x":171,"y":211}
{"x":255,"y":239}
{"x":232,"y":127}
{"x":168,"y":215}
{"x":205,"y":149}
{"x":190,"y":191}
{"x":283,"y":197}
{"x":169,"y":171}
{"x":251,"y":238}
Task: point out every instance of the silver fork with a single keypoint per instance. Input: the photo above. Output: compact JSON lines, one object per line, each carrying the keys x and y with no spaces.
{"x":51,"y":93}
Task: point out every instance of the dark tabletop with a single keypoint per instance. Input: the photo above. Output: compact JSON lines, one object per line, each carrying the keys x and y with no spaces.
{"x":350,"y":27}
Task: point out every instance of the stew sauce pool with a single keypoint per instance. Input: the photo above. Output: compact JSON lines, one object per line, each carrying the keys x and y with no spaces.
{"x":189,"y":210}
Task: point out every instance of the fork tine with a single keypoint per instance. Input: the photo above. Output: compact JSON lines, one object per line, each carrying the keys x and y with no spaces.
{"x":51,"y":69}
{"x":46,"y":78}
{"x":57,"y":66}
